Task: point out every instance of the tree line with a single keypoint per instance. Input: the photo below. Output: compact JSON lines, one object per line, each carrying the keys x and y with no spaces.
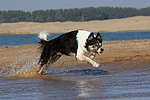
{"x":76,"y":14}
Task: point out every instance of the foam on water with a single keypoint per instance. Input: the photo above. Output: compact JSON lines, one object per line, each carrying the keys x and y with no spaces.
{"x":25,"y":67}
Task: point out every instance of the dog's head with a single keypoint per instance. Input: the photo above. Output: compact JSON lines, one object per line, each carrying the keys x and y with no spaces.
{"x":94,"y":43}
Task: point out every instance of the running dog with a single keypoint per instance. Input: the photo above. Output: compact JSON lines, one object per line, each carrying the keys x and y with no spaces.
{"x":75,"y":43}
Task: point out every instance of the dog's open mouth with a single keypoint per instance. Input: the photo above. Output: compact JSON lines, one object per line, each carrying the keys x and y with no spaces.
{"x":99,"y":53}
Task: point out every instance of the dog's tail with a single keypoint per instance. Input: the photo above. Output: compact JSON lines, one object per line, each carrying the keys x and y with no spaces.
{"x":43,"y":37}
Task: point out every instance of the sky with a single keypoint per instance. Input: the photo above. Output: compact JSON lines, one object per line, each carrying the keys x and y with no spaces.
{"x":31,"y":5}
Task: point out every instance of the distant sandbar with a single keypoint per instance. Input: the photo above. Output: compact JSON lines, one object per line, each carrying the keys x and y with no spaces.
{"x":138,"y":23}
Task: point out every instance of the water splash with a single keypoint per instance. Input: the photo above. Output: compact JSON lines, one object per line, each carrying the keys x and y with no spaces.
{"x":24,"y":67}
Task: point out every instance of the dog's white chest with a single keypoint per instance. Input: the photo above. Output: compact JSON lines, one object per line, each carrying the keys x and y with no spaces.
{"x":82,"y":37}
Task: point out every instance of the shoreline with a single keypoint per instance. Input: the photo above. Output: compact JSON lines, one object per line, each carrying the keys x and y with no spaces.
{"x":68,"y":31}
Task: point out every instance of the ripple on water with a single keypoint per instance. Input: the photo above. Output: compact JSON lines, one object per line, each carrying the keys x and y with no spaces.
{"x":126,"y":80}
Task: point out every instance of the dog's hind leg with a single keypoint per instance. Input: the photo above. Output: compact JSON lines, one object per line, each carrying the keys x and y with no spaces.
{"x":54,"y":58}
{"x":40,"y":71}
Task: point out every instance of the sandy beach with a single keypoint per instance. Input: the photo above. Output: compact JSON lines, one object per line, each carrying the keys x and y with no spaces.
{"x":138,"y":23}
{"x":114,"y":51}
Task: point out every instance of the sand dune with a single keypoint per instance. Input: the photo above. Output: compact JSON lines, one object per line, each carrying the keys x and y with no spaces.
{"x":139,"y":23}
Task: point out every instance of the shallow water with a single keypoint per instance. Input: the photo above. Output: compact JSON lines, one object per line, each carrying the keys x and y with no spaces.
{"x":19,"y":39}
{"x":126,"y":80}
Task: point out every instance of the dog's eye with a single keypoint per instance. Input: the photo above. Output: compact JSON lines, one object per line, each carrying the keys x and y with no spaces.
{"x":93,"y":46}
{"x":96,"y":44}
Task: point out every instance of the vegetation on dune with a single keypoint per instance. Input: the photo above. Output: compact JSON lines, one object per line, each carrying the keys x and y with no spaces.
{"x":76,"y":14}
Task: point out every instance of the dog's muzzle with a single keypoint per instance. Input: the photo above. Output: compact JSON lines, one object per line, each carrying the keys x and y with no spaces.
{"x":100,"y":51}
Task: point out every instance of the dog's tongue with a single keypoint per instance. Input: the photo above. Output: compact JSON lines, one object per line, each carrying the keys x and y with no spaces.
{"x":99,"y":53}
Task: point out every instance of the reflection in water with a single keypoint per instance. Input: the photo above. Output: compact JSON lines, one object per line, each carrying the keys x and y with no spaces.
{"x":90,"y":89}
{"x":84,"y":88}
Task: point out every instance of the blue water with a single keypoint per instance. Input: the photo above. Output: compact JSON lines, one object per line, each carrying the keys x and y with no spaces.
{"x":11,"y":40}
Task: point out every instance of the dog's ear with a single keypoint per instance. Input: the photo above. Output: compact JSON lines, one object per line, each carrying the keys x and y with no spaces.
{"x":91,"y":36}
{"x":99,"y":36}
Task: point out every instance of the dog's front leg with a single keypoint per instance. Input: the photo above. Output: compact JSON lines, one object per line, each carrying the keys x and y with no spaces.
{"x":80,"y":56}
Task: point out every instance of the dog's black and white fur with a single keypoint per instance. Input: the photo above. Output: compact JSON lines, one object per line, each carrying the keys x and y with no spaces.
{"x":75,"y":43}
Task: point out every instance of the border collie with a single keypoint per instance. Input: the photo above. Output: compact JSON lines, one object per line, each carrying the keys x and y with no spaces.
{"x":75,"y":43}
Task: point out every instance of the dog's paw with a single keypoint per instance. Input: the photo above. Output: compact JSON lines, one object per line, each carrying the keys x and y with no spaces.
{"x":96,"y":65}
